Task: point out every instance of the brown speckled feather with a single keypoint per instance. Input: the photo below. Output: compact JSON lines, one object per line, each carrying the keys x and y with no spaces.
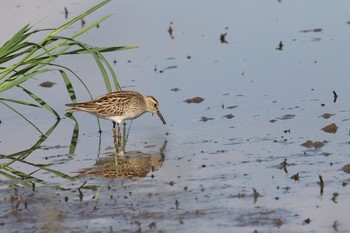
{"x":112,"y":104}
{"x":119,"y":106}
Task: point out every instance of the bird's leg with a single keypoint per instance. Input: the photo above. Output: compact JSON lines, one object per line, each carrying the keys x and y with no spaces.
{"x":114,"y":134}
{"x":119,"y":136}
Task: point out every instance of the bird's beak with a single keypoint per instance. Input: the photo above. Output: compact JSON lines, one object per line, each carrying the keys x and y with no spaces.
{"x":161,"y":117}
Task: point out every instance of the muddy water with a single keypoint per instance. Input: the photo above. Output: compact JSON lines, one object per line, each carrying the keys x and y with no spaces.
{"x":245,"y":147}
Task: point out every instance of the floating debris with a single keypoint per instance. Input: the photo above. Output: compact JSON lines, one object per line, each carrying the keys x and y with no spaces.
{"x":321,"y":183}
{"x":278,"y":222}
{"x":195,"y":100}
{"x":232,"y":107}
{"x":81,"y":195}
{"x":307,"y":221}
{"x":280,"y":46}
{"x":83,"y":22}
{"x":167,"y":68}
{"x":176,"y":89}
{"x":334,"y":198}
{"x":47,"y":84}
{"x":229,"y":116}
{"x":284,"y":165}
{"x":312,"y":30}
{"x":171,"y":30}
{"x":327,"y":115}
{"x":177,"y":203}
{"x":205,"y":119}
{"x":295,"y":177}
{"x":316,"y":144}
{"x":335,"y":97}
{"x":335,"y":225}
{"x":256,"y":194}
{"x":346,"y":168}
{"x":332,"y":128}
{"x":151,"y":226}
{"x":223,"y":38}
{"x":285,"y":117}
{"x":65,"y":13}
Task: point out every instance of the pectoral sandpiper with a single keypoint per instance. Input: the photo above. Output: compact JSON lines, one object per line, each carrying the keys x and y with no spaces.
{"x":119,"y":106}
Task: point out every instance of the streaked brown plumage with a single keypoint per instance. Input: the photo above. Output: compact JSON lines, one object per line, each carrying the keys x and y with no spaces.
{"x":119,"y":106}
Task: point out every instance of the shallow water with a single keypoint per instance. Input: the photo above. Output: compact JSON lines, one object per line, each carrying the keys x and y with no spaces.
{"x":260,"y":105}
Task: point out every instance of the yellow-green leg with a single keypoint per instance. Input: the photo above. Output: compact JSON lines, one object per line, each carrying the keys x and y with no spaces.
{"x":114,"y":134}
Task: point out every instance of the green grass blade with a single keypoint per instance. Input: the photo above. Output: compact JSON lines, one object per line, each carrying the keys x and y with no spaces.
{"x":17,"y":38}
{"x":99,"y":49}
{"x":75,"y":134}
{"x":111,"y":71}
{"x":79,"y":17}
{"x":21,"y":115}
{"x":18,"y":173}
{"x":43,"y":167}
{"x":80,"y":80}
{"x":23,"y":154}
{"x":8,"y":176}
{"x":87,"y":28}
{"x":17,"y":79}
{"x":69,"y":86}
{"x":20,"y":102}
{"x":41,"y":102}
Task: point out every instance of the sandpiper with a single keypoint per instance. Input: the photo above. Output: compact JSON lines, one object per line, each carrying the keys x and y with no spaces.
{"x":119,"y":106}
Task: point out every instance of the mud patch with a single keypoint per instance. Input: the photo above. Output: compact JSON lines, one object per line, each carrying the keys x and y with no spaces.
{"x":314,"y":144}
{"x":195,"y":100}
{"x":47,"y":84}
{"x":332,"y":128}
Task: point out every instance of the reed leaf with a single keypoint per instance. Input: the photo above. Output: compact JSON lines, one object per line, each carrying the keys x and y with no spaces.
{"x":78,"y":18}
{"x":21,"y":115}
{"x":40,"y":101}
{"x":20,"y":102}
{"x":69,"y":86}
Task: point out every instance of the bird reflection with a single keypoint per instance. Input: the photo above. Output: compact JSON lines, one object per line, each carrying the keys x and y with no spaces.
{"x":131,"y":165}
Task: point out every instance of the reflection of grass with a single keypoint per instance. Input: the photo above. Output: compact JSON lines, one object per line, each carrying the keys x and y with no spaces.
{"x":21,"y":59}
{"x":20,"y":157}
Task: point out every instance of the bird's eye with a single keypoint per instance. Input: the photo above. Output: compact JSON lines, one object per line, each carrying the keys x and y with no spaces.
{"x":155,"y":105}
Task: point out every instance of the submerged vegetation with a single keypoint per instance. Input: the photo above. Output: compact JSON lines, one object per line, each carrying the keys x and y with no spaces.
{"x":21,"y":59}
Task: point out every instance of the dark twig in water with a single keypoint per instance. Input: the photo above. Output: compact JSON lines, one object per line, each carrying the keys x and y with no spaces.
{"x":280,"y":46}
{"x":335,"y":96}
{"x":335,"y":225}
{"x":170,"y":30}
{"x":81,"y":195}
{"x":334,"y":198}
{"x":65,"y":13}
{"x":284,"y":165}
{"x":321,"y":183}
{"x":295,"y":177}
{"x":256,"y":194}
{"x":82,"y":22}
{"x":223,"y":38}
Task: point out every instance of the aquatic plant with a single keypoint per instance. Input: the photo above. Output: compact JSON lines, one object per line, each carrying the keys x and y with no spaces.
{"x":21,"y":59}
